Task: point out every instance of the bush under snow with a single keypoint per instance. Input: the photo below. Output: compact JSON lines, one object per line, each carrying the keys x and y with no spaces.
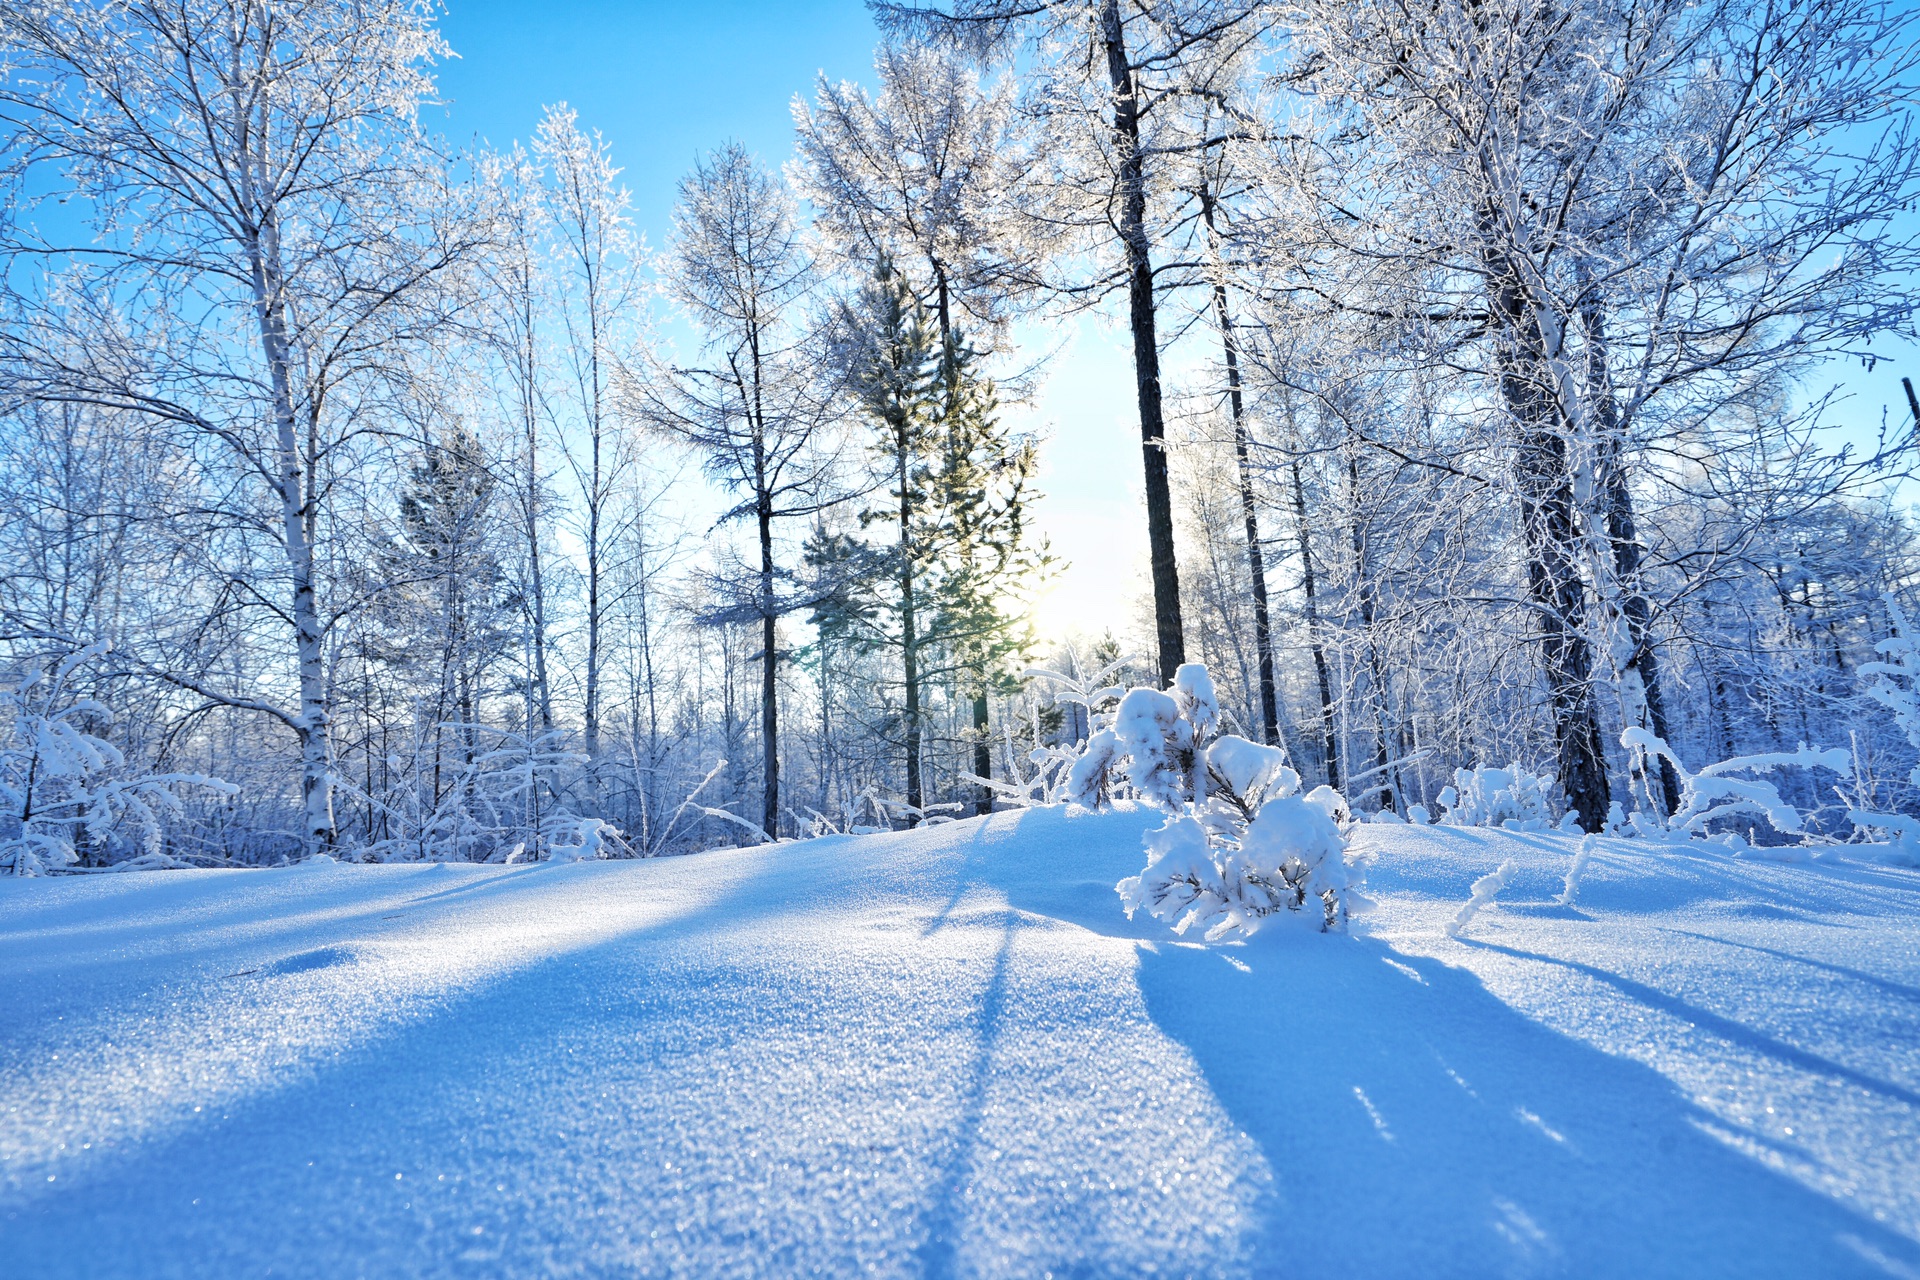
{"x":1514,"y":798}
{"x":61,"y":784}
{"x":1240,"y":847}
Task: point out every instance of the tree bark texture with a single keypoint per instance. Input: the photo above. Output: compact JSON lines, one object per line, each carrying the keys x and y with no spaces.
{"x":1544,"y":481}
{"x":1146,"y":350}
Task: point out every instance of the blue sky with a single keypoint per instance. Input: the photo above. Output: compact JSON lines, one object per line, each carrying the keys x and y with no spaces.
{"x":663,"y":82}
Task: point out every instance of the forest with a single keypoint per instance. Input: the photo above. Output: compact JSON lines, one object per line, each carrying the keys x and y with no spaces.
{"x":1485,"y":359}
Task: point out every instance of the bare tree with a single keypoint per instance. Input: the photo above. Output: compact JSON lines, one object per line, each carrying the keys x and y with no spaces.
{"x":600,"y":261}
{"x":272,"y":228}
{"x":759,"y":406}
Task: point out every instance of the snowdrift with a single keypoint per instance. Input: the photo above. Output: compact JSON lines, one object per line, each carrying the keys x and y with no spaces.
{"x":949,"y":1052}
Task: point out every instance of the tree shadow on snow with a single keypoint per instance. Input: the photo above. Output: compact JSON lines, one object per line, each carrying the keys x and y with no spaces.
{"x":1417,"y":1125}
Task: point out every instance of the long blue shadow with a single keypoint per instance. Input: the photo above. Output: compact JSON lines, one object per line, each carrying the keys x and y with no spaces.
{"x":1450,"y":1135}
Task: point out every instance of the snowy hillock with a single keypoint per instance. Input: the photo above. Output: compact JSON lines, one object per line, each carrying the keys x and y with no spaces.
{"x":949,"y":1051}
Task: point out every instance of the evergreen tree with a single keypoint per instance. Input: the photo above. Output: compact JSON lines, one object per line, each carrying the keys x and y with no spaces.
{"x":941,"y":589}
{"x":447,"y":518}
{"x":985,"y":483}
{"x":884,"y":596}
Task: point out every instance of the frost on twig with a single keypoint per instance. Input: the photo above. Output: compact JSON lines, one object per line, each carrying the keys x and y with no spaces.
{"x":1716,"y":792}
{"x":1485,"y":889}
{"x":1577,"y":868}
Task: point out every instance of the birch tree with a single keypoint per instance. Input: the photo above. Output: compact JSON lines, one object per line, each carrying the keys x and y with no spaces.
{"x":268,"y":225}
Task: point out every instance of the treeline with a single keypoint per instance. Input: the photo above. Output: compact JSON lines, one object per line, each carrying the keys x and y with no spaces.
{"x":1476,"y":351}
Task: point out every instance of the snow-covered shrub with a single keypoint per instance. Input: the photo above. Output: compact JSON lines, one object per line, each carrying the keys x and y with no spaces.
{"x":60,"y":784}
{"x":1514,"y":798}
{"x":1715,"y":792}
{"x":500,"y":804}
{"x":1157,"y":743}
{"x":1243,"y":775}
{"x":584,"y":840}
{"x":1240,"y":847}
{"x":1090,"y":779}
{"x":1288,"y":863}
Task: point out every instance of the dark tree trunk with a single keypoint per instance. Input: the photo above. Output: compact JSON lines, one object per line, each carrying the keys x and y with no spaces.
{"x":769,"y":611}
{"x":1623,"y":539}
{"x":1329,"y":725}
{"x":1146,"y":349}
{"x":1545,"y":485}
{"x":769,"y":688}
{"x":982,"y":751}
{"x":1256,"y":560}
{"x":909,"y":637}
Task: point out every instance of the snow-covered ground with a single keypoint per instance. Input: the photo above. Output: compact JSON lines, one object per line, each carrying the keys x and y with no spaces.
{"x":949,"y":1052}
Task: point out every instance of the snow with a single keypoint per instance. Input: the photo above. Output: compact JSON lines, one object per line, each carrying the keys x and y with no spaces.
{"x":949,"y":1052}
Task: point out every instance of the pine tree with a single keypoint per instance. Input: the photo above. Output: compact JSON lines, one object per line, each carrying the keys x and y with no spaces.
{"x":447,"y":517}
{"x":985,"y":478}
{"x":942,"y":590}
{"x":883,"y":596}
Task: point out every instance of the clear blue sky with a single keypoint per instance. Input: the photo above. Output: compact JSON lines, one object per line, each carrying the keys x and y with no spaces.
{"x":663,"y":81}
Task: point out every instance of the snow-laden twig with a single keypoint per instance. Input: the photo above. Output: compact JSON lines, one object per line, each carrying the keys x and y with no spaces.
{"x":1715,"y":793}
{"x":1577,"y":868}
{"x":692,"y":805}
{"x":1485,"y":889}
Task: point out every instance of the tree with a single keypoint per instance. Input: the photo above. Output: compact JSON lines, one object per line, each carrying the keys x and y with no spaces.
{"x":449,"y":557}
{"x":942,"y":591}
{"x":1619,"y":258}
{"x":892,"y":375}
{"x":759,"y":409}
{"x":516,"y":291}
{"x":1107,"y":81}
{"x":926,"y":172}
{"x":273,"y":231}
{"x":600,"y":261}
